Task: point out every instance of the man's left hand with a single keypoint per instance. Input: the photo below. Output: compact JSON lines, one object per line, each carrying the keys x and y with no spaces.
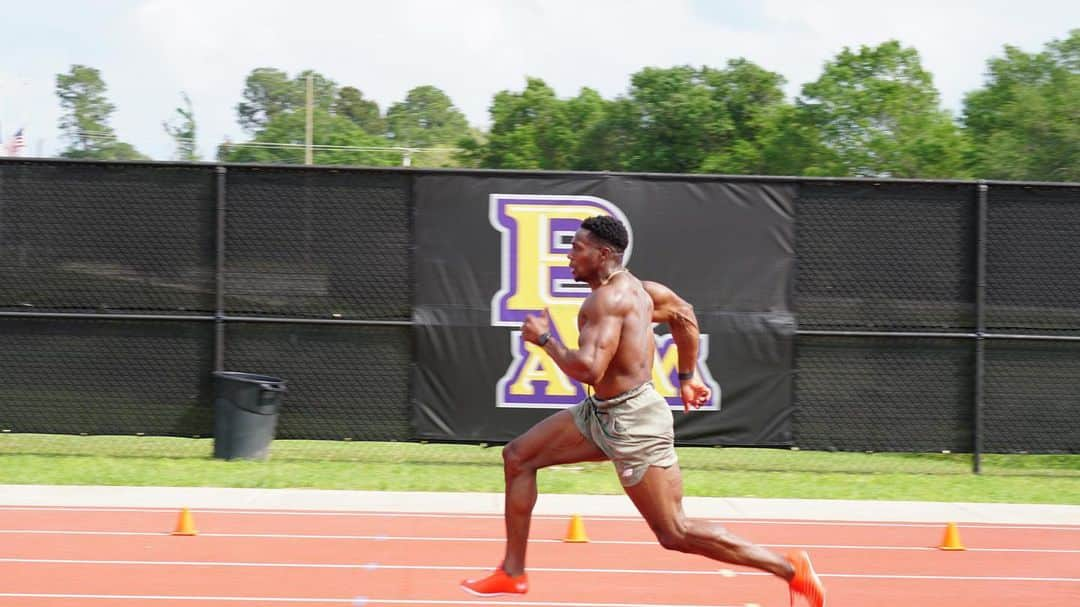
{"x":694,"y":393}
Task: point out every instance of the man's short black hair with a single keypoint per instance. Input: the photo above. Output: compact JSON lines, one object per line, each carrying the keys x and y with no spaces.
{"x":609,"y":230}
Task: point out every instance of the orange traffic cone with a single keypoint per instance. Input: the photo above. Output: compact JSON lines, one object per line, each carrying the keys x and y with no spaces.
{"x":576,"y":532}
{"x":186,"y":525}
{"x":952,"y":539}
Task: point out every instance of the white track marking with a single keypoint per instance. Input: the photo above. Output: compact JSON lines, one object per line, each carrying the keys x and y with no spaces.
{"x":378,"y":566}
{"x":417,"y":538}
{"x":367,"y":601}
{"x":631,"y":518}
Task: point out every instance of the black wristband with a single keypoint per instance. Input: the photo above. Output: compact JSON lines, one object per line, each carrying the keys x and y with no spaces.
{"x":686,"y":376}
{"x":543,"y":339}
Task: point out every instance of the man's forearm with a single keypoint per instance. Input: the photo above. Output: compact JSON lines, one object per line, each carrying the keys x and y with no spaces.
{"x":570,"y":361}
{"x":684,"y":331}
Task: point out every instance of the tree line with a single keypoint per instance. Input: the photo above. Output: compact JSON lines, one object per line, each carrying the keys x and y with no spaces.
{"x":872,"y":112}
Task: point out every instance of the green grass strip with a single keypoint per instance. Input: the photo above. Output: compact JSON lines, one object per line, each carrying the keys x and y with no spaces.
{"x":720,"y":472}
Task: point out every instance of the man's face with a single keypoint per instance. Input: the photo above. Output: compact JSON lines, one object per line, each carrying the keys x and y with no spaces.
{"x":585,"y":256}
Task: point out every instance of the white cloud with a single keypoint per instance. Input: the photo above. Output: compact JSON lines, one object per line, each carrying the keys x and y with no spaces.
{"x":153,"y":49}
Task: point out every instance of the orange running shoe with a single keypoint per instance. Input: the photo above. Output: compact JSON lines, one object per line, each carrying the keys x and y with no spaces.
{"x":497,"y":583}
{"x":806,"y":584}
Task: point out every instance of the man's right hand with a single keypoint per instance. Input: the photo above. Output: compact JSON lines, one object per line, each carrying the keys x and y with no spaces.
{"x":535,"y":326}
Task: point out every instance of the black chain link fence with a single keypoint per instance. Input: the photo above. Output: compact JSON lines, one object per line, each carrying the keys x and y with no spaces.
{"x":318,"y":289}
{"x":888,"y":256}
{"x":88,"y":376}
{"x":1033,"y":260}
{"x":318,"y":243}
{"x":345,"y":382}
{"x":884,"y":394}
{"x":106,"y":238}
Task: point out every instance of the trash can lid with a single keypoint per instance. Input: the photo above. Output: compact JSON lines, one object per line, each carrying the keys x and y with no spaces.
{"x":268,"y":382}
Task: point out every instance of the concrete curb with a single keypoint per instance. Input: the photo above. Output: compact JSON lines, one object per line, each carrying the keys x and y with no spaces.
{"x":548,"y":504}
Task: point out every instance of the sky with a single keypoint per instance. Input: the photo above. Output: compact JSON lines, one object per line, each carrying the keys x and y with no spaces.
{"x":149,"y":51}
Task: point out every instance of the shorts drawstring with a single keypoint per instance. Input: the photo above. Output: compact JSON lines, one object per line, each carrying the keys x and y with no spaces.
{"x":599,"y":421}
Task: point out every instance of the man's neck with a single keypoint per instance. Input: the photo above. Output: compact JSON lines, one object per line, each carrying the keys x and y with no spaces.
{"x":604,"y":277}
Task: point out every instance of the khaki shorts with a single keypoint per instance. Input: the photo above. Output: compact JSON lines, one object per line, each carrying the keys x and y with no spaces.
{"x":634,"y":429}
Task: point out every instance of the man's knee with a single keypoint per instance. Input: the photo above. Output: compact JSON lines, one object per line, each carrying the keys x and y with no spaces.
{"x":513,"y":460}
{"x":673,"y":537}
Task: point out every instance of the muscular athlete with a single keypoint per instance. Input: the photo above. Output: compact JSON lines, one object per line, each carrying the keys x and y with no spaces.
{"x":625,"y":420}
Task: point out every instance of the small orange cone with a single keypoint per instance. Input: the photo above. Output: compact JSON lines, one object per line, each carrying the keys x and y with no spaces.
{"x":952,"y":539}
{"x":186,"y":525}
{"x":576,"y":532}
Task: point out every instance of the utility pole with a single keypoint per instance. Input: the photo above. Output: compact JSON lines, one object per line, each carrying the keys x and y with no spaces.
{"x":310,"y":121}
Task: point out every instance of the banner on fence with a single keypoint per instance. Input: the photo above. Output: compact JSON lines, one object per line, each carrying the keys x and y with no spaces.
{"x":490,"y":250}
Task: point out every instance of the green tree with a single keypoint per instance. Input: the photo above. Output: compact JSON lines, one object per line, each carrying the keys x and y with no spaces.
{"x":426,"y":118}
{"x":269,"y":92}
{"x":789,"y":143}
{"x":878,"y":114}
{"x":85,"y":117}
{"x":596,"y":135}
{"x":183,"y":131}
{"x":274,"y":110}
{"x":281,"y":141}
{"x":684,"y":119}
{"x":364,"y":113}
{"x":530,"y":130}
{"x":534,"y":129}
{"x":1025,"y":121}
{"x":677,"y":120}
{"x":753,"y":100}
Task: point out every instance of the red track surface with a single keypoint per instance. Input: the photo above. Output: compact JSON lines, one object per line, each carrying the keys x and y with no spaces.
{"x":96,"y":557}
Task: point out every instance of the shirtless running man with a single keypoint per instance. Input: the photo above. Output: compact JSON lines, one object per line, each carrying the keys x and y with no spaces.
{"x":626,"y":420}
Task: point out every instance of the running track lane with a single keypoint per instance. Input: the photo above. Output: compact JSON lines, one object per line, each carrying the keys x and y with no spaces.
{"x":83,"y":556}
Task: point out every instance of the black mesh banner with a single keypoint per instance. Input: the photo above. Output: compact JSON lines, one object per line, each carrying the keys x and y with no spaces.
{"x":1033,"y":260}
{"x":344,"y":382}
{"x":1031,"y":397}
{"x":106,"y":238}
{"x":491,"y":249}
{"x":318,"y":243}
{"x":884,"y":394}
{"x":886,"y":256}
{"x":83,"y":376}
{"x":391,"y":301}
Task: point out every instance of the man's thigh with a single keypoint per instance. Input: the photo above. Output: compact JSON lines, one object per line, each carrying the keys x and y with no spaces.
{"x":555,"y":440}
{"x":658,"y":497}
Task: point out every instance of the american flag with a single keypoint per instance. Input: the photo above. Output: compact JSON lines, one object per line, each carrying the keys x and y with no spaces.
{"x":15,"y":144}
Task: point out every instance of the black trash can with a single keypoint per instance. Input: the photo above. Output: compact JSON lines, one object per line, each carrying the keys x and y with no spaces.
{"x":245,"y":414}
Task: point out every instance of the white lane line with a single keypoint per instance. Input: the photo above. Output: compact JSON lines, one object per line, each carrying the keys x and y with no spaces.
{"x":1003,"y":578}
{"x":406,"y":538}
{"x":354,"y":601}
{"x":381,"y":514}
{"x":378,"y":566}
{"x":272,"y":512}
{"x":76,"y":532}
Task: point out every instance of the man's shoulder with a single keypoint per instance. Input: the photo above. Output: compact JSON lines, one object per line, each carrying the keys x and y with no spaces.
{"x":618,"y":292}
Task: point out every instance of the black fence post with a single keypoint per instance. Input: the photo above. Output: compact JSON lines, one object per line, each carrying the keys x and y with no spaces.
{"x":219,"y":272}
{"x":980,"y":324}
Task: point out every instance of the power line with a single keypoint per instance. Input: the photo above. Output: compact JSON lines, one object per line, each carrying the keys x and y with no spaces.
{"x":406,"y":152}
{"x":357,"y":148}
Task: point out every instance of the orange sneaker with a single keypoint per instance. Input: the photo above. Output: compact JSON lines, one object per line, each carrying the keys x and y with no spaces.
{"x":497,"y":583}
{"x":806,"y":584}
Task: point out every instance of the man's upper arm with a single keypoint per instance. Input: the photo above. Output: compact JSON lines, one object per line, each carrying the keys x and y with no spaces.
{"x":666,"y":304}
